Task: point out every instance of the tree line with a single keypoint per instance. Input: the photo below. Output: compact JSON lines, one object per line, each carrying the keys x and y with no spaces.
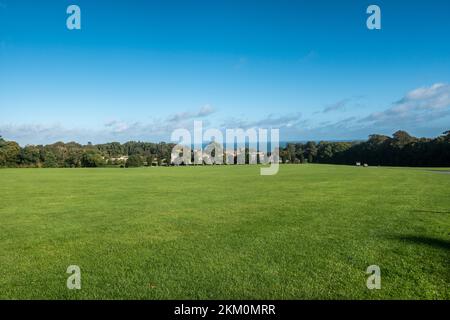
{"x":401,"y":149}
{"x":75,"y":155}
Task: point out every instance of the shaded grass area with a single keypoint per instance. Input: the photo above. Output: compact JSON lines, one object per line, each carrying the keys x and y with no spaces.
{"x":225,"y":232}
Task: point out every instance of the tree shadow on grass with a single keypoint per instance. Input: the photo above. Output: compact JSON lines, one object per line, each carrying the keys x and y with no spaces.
{"x":430,"y":211}
{"x":432,"y":242}
{"x":441,"y":245}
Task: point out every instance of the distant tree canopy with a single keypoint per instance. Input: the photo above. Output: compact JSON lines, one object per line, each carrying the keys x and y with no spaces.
{"x":75,"y":155}
{"x":401,"y":149}
{"x":9,"y":153}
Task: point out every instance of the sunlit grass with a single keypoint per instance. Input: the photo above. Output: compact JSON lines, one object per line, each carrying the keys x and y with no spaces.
{"x":225,"y":232}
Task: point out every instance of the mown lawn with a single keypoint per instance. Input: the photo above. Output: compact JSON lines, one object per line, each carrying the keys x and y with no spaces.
{"x":225,"y":232}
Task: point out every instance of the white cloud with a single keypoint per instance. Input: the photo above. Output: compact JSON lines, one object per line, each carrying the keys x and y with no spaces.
{"x":113,"y":130}
{"x":40,"y":134}
{"x":205,"y":111}
{"x":344,"y":104}
{"x":118,"y":126}
{"x":270,"y":121}
{"x":338,"y":106}
{"x":422,"y":103}
{"x":420,"y":111}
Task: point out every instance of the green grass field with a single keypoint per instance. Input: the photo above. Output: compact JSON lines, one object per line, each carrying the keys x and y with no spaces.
{"x":225,"y":232}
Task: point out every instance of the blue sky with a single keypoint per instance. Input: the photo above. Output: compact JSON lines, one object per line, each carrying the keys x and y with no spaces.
{"x":139,"y":69}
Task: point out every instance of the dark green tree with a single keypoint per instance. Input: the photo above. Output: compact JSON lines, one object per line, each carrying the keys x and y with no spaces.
{"x":134,"y":161}
{"x":92,"y":159}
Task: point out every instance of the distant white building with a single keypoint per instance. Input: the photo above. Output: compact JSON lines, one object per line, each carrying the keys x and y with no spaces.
{"x":121,"y":158}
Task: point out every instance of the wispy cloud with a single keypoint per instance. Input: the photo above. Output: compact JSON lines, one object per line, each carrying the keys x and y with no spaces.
{"x":421,"y":104}
{"x":113,"y":130}
{"x":42,"y":134}
{"x":338,"y":106}
{"x":154,"y":130}
{"x":343,"y":104}
{"x":270,"y":121}
{"x":117,"y":126}
{"x":420,"y":111}
{"x":417,"y":111}
{"x":182,"y":116}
